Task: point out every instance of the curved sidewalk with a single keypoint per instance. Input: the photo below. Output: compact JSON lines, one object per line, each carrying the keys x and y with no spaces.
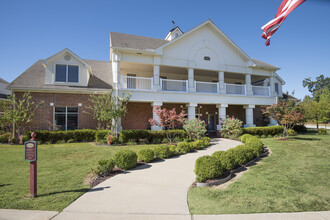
{"x":156,"y":189}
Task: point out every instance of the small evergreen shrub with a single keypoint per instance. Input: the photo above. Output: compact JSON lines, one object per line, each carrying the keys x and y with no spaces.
{"x":291,"y":132}
{"x":4,"y":138}
{"x":207,"y":167}
{"x":267,"y":131}
{"x":322,"y":131}
{"x":165,"y":141}
{"x":156,"y":141}
{"x":101,"y":135}
{"x":174,"y":150}
{"x":244,"y":137}
{"x":146,"y":155}
{"x":231,"y":128}
{"x":300,"y":128}
{"x":226,"y":159}
{"x":125,"y":159}
{"x":163,"y":152}
{"x":104,"y":167}
{"x":177,"y":139}
{"x":184,"y":147}
{"x":198,"y":145}
{"x":206,"y":140}
{"x":143,"y":141}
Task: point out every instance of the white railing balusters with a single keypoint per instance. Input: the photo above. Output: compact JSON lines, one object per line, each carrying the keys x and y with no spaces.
{"x":261,"y":90}
{"x":136,"y":83}
{"x":235,"y":89}
{"x":174,"y":85}
{"x":207,"y":87}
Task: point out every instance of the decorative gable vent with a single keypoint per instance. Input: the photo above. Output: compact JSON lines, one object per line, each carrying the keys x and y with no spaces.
{"x":207,"y":58}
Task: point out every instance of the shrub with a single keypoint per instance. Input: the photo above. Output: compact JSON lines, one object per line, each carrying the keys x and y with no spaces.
{"x":244,"y":137}
{"x":174,"y":150}
{"x":322,"y":131}
{"x":300,"y":128}
{"x":143,"y":141}
{"x":177,"y":139}
{"x":4,"y":138}
{"x":156,"y":141}
{"x":125,"y":159}
{"x":207,"y":167}
{"x":184,"y":147}
{"x":231,"y":128}
{"x":206,"y":140}
{"x":146,"y":155}
{"x":70,"y":141}
{"x":104,"y":167}
{"x":291,"y":132}
{"x":195,"y":128}
{"x":100,"y":135}
{"x":165,"y":141}
{"x":226,"y":159}
{"x":162,"y":151}
{"x":267,"y":131}
{"x":131,"y":142}
{"x":198,"y":145}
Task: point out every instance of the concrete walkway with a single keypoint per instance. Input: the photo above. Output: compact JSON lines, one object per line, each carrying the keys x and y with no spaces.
{"x":156,"y":189}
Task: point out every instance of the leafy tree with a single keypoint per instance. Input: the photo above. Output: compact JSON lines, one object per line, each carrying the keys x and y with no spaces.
{"x":287,"y":113}
{"x":316,"y":87}
{"x":168,"y":120}
{"x":20,"y":112}
{"x":107,"y":108}
{"x":317,"y":111}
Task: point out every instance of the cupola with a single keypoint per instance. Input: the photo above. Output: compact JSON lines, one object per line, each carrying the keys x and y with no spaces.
{"x":174,"y":33}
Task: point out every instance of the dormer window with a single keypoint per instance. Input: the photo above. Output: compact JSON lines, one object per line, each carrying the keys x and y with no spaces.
{"x":66,"y":73}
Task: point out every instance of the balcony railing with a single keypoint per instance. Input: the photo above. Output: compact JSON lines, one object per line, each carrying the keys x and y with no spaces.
{"x":136,"y":83}
{"x":235,"y":89}
{"x":207,"y":87}
{"x":174,"y":85}
{"x":261,"y":90}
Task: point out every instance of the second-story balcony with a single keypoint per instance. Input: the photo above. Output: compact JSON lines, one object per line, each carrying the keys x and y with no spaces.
{"x":173,"y":85}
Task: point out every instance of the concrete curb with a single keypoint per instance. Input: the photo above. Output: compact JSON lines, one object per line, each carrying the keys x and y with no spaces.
{"x":16,"y":214}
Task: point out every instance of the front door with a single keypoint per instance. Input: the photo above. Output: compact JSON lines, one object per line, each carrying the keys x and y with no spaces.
{"x":211,"y":123}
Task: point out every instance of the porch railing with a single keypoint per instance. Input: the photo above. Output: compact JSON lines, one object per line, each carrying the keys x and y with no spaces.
{"x":136,"y":83}
{"x":235,"y":89}
{"x":207,"y":87}
{"x":261,"y":90}
{"x":174,"y":85}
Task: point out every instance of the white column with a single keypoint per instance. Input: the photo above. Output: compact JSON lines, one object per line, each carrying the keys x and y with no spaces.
{"x":248,"y":85}
{"x":221,"y":114}
{"x":191,"y":110}
{"x":222,"y":87}
{"x":272,"y":86}
{"x":116,"y":70}
{"x":249,"y":116}
{"x":154,"y":105}
{"x":157,"y":78}
{"x":191,"y":81}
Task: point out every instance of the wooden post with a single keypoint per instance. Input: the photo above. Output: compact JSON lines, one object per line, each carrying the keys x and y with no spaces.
{"x":33,"y":178}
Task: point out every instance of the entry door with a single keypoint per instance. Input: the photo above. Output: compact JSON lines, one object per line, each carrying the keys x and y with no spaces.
{"x":211,"y":123}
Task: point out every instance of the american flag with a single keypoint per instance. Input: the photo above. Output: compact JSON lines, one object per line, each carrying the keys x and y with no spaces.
{"x":283,"y":11}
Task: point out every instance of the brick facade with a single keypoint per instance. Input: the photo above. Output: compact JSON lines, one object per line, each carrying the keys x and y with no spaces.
{"x":137,"y":116}
{"x":44,"y":114}
{"x":236,"y":111}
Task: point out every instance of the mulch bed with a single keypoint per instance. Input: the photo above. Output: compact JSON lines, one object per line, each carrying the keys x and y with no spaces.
{"x":114,"y":172}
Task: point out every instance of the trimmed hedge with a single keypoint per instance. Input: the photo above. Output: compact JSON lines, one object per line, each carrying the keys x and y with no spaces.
{"x":151,"y":136}
{"x":146,"y":155}
{"x":229,"y":159}
{"x":125,"y":159}
{"x":244,"y":137}
{"x":163,"y":152}
{"x":207,"y":167}
{"x":101,"y":135}
{"x":259,"y":131}
{"x":105,"y":167}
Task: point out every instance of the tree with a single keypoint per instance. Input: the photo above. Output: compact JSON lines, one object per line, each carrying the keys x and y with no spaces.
{"x":316,"y":87}
{"x":287,"y":113}
{"x":20,"y":112}
{"x":168,"y":120}
{"x":107,"y":108}
{"x":317,"y":111}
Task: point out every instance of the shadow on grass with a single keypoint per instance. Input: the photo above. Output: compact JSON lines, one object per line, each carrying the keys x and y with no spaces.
{"x":75,"y":190}
{"x":305,"y":139}
{"x":2,"y":185}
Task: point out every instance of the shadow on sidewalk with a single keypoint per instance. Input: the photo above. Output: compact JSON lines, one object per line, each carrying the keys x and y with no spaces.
{"x":75,"y":190}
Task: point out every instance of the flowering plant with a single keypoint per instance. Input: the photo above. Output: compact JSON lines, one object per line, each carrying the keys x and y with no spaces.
{"x":195,"y":128}
{"x":231,"y":128}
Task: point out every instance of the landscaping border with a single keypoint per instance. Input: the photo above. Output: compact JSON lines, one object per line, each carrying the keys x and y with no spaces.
{"x":229,"y":177}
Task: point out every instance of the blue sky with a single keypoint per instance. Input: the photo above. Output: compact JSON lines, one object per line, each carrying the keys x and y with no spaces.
{"x":33,"y":30}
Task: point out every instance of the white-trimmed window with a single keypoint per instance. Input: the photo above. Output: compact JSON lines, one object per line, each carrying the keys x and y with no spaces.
{"x":66,"y":73}
{"x":66,"y":118}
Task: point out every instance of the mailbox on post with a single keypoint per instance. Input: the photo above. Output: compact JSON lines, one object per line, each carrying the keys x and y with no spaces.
{"x":31,"y":155}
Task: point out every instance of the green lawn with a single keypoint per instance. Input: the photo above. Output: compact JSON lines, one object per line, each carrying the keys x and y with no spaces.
{"x":61,"y":171}
{"x":294,"y":178}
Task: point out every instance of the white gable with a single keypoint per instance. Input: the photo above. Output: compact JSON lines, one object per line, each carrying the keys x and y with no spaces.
{"x":204,"y":47}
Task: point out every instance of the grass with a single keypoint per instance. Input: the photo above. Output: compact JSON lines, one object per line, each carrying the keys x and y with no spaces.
{"x":294,"y":178}
{"x":61,"y":171}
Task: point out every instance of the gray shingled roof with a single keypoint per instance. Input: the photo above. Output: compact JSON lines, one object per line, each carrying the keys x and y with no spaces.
{"x":3,"y":81}
{"x":263,"y":64}
{"x":121,"y":40}
{"x":34,"y":78}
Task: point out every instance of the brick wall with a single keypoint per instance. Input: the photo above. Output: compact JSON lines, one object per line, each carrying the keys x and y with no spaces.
{"x":137,"y":116}
{"x":236,"y":111}
{"x":44,"y":114}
